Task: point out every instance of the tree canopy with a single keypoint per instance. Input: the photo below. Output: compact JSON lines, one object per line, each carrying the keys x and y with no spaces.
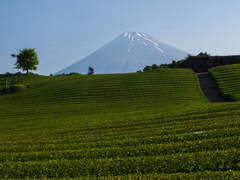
{"x":90,"y":70}
{"x":201,"y":54}
{"x":147,"y":68}
{"x":26,"y":60}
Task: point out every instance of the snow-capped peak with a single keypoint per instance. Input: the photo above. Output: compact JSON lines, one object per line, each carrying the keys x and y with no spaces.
{"x":146,"y":40}
{"x":129,"y":52}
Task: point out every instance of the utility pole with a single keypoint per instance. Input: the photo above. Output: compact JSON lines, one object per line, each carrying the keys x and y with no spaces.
{"x":7,"y":86}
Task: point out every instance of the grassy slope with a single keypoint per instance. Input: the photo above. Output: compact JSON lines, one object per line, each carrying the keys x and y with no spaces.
{"x":14,"y":79}
{"x":123,"y":125}
{"x":72,"y":96}
{"x":227,"y":78}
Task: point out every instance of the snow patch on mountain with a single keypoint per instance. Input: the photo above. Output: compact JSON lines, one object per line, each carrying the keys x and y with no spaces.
{"x":151,"y":41}
{"x":132,"y":39}
{"x":144,"y":43}
{"x":158,"y":48}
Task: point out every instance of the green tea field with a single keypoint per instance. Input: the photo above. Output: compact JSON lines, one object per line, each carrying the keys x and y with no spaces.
{"x":150,"y":125}
{"x":227,"y":78}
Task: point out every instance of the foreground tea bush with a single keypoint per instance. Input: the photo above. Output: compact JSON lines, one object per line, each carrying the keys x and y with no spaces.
{"x":148,"y":125}
{"x":188,"y":162}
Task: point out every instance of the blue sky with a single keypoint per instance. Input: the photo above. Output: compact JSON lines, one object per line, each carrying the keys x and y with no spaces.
{"x":65,"y":31}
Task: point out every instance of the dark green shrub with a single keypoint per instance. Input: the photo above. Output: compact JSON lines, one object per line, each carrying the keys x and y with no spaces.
{"x":70,"y":74}
{"x":147,"y":68}
{"x":201,"y":54}
{"x":154,"y":66}
{"x":63,"y":74}
{"x":18,"y":72}
{"x":233,"y":97}
{"x":173,"y":65}
{"x":75,"y":73}
{"x":7,"y":73}
{"x":18,"y":87}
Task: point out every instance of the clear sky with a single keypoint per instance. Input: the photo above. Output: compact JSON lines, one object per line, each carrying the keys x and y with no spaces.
{"x":65,"y":31}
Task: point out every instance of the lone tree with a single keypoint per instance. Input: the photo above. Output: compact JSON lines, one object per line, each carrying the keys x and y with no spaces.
{"x":26,"y":60}
{"x":90,"y":70}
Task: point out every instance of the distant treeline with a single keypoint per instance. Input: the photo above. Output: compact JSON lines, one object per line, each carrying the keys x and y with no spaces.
{"x":90,"y":71}
{"x":174,"y":63}
{"x":69,"y":74}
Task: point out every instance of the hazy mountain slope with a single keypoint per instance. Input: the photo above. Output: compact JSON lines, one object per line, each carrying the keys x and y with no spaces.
{"x":129,"y":52}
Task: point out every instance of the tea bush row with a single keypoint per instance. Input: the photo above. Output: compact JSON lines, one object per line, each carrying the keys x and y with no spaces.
{"x":182,"y":162}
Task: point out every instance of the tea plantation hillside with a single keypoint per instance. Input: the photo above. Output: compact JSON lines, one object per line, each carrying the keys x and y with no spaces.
{"x":104,"y":93}
{"x":155,"y":124}
{"x":14,"y":79}
{"x":228,"y":80}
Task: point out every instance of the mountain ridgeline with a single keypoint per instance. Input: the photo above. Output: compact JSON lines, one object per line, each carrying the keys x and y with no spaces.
{"x":129,"y":52}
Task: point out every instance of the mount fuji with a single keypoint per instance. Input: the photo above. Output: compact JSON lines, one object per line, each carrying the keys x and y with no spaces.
{"x":129,"y":52}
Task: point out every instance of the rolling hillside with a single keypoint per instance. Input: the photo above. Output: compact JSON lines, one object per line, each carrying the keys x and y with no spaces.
{"x":14,"y":79}
{"x":227,"y":78}
{"x":155,"y":124}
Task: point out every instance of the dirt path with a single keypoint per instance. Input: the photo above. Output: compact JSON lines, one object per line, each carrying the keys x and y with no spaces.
{"x":209,"y":88}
